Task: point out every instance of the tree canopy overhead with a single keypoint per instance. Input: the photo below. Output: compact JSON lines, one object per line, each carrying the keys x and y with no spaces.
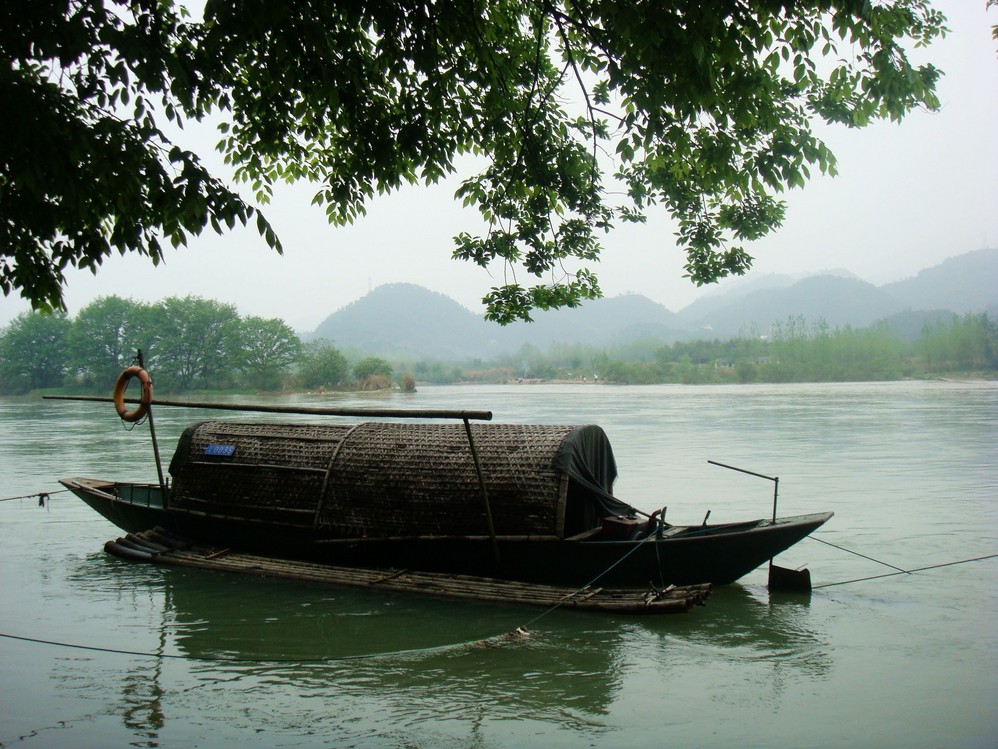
{"x":579,"y":113}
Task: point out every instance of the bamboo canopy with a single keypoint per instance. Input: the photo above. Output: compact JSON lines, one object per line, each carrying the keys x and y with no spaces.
{"x":384,"y":479}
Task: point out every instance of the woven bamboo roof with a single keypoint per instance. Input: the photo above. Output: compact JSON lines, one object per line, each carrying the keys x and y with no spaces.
{"x":377,"y":479}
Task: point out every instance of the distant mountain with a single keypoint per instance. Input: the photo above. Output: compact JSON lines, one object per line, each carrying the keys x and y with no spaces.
{"x":404,"y":320}
{"x":720,"y":297}
{"x":411,"y":322}
{"x":837,"y":300}
{"x":966,"y":283}
{"x":408,"y":321}
{"x":732,"y":289}
{"x":601,"y":322}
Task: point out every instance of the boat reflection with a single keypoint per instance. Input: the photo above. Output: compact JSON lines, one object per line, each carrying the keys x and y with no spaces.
{"x":747,"y":616}
{"x":408,"y":646}
{"x":299,"y":649}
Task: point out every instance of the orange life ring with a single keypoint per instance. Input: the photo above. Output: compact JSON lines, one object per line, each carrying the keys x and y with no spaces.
{"x":145,"y":400}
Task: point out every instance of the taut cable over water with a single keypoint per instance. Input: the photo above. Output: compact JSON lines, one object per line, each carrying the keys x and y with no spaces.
{"x":864,"y":556}
{"x":507,"y":637}
{"x":42,"y":497}
{"x":898,"y":570}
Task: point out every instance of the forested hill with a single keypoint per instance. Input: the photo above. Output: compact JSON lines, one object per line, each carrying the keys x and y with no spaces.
{"x":405,"y":320}
{"x":966,"y":283}
{"x":836,"y":300}
{"x":411,"y":321}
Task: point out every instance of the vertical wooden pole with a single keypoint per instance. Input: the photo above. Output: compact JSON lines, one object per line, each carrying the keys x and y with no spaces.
{"x":155,"y":443}
{"x":776,"y":491}
{"x":485,"y":492}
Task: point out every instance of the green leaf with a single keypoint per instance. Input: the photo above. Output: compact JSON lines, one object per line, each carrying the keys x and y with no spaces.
{"x":702,"y":110}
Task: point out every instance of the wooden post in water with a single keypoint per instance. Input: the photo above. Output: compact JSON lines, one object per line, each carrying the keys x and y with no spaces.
{"x":152,"y":432}
{"x":485,"y":492}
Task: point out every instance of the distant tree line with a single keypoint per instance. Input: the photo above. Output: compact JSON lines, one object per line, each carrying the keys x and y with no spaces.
{"x":187,"y":343}
{"x":193,"y":343}
{"x":794,"y":351}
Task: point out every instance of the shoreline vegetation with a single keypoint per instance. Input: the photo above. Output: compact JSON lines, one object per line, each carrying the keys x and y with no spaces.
{"x":196,"y":345}
{"x":395,"y":388}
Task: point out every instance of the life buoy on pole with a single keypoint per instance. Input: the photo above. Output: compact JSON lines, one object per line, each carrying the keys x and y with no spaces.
{"x":145,"y":400}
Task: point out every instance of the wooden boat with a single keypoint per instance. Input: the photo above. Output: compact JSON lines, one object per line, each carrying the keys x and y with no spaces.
{"x":523,"y":503}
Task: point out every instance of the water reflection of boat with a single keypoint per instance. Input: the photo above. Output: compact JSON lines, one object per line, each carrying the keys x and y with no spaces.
{"x":572,"y":667}
{"x":514,"y":502}
{"x":427,"y":650}
{"x":775,"y":628}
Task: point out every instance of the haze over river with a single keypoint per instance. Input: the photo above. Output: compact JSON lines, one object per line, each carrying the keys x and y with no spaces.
{"x":190,"y":658}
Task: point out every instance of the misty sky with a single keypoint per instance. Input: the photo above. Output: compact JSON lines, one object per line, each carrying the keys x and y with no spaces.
{"x":907,"y":197}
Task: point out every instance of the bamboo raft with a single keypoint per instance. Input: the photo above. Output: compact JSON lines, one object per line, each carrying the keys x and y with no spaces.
{"x":157,"y":547}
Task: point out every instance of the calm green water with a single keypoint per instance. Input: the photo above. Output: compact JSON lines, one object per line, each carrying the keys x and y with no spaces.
{"x":220,"y":661}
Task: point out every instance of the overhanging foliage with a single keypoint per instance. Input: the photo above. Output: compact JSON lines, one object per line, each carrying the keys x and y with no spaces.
{"x":583,"y":113}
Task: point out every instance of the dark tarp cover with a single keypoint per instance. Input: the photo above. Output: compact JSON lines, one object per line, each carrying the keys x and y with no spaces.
{"x":587,"y":458}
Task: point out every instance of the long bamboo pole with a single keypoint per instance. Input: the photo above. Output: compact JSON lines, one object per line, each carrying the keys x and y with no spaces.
{"x":396,"y":413}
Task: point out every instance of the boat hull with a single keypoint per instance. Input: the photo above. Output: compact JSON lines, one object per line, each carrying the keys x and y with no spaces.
{"x":716,"y":554}
{"x":715,"y":559}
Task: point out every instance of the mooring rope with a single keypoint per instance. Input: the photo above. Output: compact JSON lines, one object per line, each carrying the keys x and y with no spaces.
{"x":569,"y":597}
{"x":905,"y":572}
{"x":843,"y":548}
{"x":42,"y":497}
{"x":898,"y":570}
{"x":497,"y":639}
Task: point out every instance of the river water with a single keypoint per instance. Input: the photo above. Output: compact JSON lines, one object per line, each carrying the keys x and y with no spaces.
{"x":126,"y":654}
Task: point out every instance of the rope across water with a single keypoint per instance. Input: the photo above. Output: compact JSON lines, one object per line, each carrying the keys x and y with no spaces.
{"x":897,"y":570}
{"x":42,"y":497}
